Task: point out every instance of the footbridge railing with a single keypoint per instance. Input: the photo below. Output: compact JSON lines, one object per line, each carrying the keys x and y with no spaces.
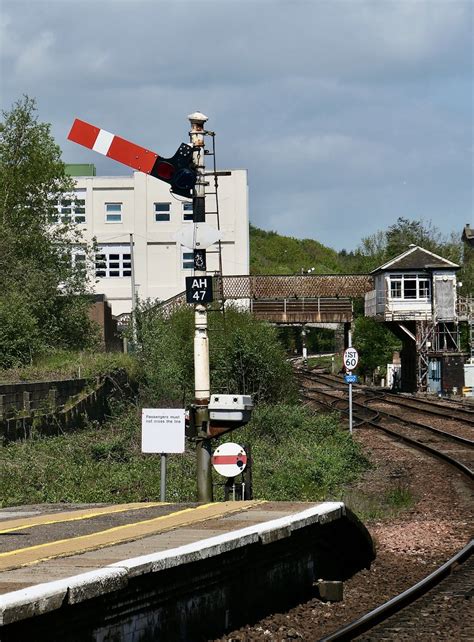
{"x":291,"y":298}
{"x":297,"y":286}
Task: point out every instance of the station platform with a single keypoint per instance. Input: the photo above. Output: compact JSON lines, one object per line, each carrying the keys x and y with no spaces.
{"x":166,"y":571}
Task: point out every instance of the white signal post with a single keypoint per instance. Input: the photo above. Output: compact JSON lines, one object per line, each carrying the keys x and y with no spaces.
{"x":202,"y":385}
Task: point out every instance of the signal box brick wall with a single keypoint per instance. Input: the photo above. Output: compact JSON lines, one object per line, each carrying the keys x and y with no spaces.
{"x":452,"y":372}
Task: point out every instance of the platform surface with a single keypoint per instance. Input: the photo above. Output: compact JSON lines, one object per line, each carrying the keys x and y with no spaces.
{"x":46,"y":543}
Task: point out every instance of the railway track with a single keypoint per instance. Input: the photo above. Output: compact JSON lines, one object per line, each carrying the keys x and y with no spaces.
{"x":425,"y":406}
{"x":456,"y":448}
{"x":387,"y":622}
{"x":375,"y":409}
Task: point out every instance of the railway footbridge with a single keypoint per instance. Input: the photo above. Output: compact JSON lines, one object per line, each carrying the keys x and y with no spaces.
{"x":291,"y":299}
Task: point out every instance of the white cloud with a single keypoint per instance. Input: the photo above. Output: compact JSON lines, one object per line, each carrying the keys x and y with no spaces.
{"x":369,"y":98}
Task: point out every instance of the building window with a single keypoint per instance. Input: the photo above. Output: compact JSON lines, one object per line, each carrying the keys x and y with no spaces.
{"x":187,"y":212}
{"x":112,"y":261}
{"x":188,"y":260}
{"x":396,"y":287}
{"x":71,"y":208}
{"x":410,"y":287}
{"x":424,"y":288}
{"x":162,"y":211}
{"x":113,"y":212}
{"x":79,"y":259}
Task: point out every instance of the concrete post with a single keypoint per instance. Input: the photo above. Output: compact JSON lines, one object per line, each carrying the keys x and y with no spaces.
{"x":303,"y":343}
{"x":26,"y":401}
{"x":202,"y":384}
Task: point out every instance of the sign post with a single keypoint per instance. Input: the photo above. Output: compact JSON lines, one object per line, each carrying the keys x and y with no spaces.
{"x":163,"y":432}
{"x":351,"y":359}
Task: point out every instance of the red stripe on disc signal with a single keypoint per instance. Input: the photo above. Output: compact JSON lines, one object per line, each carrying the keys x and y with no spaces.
{"x":229,"y":459}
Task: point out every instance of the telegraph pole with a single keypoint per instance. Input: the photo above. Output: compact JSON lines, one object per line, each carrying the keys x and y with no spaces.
{"x":202,"y":385}
{"x":134,"y":294}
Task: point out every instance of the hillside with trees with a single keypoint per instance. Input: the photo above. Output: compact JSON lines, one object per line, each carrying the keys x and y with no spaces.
{"x":272,"y":253}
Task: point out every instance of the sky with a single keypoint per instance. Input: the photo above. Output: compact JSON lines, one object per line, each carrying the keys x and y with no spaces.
{"x":346,"y":114}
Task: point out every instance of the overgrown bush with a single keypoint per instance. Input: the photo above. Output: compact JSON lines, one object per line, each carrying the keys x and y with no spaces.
{"x":297,"y":456}
{"x":42,"y":306}
{"x":245,"y":356}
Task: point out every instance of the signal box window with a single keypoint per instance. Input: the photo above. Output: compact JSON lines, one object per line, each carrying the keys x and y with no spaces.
{"x":396,"y":287}
{"x":113,"y":212}
{"x":188,"y":260}
{"x":410,"y":287}
{"x":162,"y":211}
{"x":424,"y":286}
{"x":187,"y":211}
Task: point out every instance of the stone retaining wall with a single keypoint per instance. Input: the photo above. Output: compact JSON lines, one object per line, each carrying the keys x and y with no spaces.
{"x":53,"y":407}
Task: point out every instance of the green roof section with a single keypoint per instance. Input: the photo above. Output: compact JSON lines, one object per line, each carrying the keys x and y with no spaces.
{"x":80,"y":169}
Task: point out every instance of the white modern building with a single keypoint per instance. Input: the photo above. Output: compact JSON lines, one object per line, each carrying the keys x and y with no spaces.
{"x":114,"y":210}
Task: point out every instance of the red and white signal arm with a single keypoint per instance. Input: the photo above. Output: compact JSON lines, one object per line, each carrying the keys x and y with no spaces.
{"x":178,"y":171}
{"x":351,"y":358}
{"x":229,"y":459}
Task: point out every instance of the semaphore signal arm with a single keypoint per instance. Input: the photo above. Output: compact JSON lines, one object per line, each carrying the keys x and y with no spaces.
{"x":178,"y":171}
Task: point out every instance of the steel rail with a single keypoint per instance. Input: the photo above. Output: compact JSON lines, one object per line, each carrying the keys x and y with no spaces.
{"x":397,"y":603}
{"x":384,"y":611}
{"x":464,"y":414}
{"x":332,"y":406}
{"x":412,"y":422}
{"x":436,"y":409}
{"x":409,"y":440}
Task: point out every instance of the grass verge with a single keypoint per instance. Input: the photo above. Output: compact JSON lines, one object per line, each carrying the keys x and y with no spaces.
{"x":64,"y":364}
{"x":297,"y":456}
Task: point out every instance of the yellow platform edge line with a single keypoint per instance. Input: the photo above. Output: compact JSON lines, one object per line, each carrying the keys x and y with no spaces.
{"x":229,"y":508}
{"x":72,"y":516}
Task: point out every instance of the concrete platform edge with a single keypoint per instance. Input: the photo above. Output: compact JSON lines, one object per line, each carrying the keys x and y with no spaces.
{"x":49,"y":596}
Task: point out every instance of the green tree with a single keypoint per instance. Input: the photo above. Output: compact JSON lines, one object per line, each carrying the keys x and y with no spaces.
{"x":375,"y":344}
{"x":384,"y":245}
{"x":38,"y":280}
{"x":246,"y":356}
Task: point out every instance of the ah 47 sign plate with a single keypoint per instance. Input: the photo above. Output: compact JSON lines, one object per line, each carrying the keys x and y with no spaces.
{"x":199,"y":289}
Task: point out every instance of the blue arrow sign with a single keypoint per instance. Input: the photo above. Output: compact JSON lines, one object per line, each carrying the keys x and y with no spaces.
{"x":350,"y":378}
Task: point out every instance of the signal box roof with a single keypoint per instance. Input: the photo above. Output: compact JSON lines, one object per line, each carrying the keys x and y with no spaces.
{"x":417,"y":258}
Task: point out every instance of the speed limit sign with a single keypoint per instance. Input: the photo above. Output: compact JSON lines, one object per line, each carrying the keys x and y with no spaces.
{"x":351,"y":358}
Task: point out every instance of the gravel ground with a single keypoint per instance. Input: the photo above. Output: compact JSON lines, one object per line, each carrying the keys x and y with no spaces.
{"x":410,"y":542}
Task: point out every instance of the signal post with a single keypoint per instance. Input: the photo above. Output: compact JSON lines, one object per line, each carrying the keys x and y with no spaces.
{"x":202,"y":384}
{"x":185,"y":173}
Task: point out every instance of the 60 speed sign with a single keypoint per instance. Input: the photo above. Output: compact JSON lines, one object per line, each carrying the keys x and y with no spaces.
{"x":351,"y":358}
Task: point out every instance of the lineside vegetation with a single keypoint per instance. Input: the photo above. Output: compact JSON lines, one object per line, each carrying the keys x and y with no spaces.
{"x":297,"y":455}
